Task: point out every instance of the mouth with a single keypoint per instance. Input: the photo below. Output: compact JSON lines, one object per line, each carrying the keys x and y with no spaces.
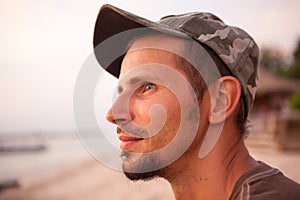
{"x":128,"y":142}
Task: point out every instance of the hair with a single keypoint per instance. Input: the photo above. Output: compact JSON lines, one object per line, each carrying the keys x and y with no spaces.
{"x":197,"y":81}
{"x":199,"y":85}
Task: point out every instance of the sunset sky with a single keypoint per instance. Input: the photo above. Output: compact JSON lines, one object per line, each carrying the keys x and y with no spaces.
{"x":44,"y":44}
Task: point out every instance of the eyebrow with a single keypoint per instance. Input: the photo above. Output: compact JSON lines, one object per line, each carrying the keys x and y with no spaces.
{"x":131,"y":82}
{"x":135,"y":80}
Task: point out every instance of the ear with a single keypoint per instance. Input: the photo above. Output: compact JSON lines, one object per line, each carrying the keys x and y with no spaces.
{"x":225,"y":97}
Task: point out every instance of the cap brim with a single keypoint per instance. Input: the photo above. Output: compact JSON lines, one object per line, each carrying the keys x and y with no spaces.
{"x":112,"y":21}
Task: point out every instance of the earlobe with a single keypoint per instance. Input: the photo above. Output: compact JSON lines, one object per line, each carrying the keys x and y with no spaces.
{"x":225,"y":97}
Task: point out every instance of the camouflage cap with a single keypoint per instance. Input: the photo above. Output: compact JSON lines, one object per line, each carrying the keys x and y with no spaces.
{"x":234,"y":46}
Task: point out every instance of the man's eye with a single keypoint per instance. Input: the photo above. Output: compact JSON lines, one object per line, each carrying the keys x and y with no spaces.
{"x":148,"y":86}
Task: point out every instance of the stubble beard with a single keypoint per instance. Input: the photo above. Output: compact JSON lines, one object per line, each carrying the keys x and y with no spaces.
{"x":141,"y":167}
{"x":149,"y":166}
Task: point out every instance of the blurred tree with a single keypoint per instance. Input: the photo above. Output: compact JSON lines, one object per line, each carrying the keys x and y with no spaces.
{"x":277,"y":62}
{"x":295,"y":100}
{"x":294,"y":69}
{"x":273,"y":60}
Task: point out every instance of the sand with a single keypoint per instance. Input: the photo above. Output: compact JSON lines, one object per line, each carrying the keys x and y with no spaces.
{"x":89,"y":179}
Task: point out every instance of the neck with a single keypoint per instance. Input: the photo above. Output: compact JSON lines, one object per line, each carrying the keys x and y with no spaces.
{"x":212,"y":177}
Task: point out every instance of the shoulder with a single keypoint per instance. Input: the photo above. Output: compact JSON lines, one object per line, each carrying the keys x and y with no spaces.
{"x":265,"y":182}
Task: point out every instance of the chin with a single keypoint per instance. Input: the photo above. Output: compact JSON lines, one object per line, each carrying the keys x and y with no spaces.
{"x":141,"y":167}
{"x":143,"y":176}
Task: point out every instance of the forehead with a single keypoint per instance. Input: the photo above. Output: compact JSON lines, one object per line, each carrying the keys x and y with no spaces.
{"x":159,"y":41}
{"x":155,"y":59}
{"x":157,"y":49}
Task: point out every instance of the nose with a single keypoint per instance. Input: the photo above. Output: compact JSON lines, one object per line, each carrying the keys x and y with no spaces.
{"x":120,"y":113}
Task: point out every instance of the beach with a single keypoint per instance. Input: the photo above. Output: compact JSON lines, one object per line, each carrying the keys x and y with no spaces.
{"x":89,"y":179}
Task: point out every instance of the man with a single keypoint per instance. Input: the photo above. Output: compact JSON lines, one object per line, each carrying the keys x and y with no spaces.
{"x":186,"y":87}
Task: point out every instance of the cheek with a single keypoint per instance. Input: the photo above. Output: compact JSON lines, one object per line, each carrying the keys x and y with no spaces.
{"x":140,"y":110}
{"x":160,"y":108}
{"x":171,"y":118}
{"x":170,"y":127}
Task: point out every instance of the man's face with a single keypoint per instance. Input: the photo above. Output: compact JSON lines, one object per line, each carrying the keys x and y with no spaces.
{"x":154,"y":94}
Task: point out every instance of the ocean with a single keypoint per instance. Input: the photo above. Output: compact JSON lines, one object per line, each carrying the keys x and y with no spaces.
{"x":23,"y":162}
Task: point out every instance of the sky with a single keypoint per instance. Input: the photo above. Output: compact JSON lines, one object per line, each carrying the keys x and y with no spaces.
{"x":44,"y":43}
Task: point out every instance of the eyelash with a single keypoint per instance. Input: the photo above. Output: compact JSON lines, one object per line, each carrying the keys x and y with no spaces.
{"x":145,"y":85}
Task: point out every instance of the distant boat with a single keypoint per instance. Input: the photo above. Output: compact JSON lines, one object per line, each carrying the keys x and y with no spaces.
{"x":6,"y":184}
{"x":21,"y":146}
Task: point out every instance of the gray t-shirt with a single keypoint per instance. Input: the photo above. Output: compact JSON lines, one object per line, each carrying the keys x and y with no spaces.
{"x":265,"y":183}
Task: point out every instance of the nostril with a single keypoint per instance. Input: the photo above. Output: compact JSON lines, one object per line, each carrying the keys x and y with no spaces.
{"x":118,"y":116}
{"x":119,"y":121}
{"x":119,"y":130}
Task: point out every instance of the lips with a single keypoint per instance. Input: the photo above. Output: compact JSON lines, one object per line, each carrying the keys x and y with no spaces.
{"x":128,"y":142}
